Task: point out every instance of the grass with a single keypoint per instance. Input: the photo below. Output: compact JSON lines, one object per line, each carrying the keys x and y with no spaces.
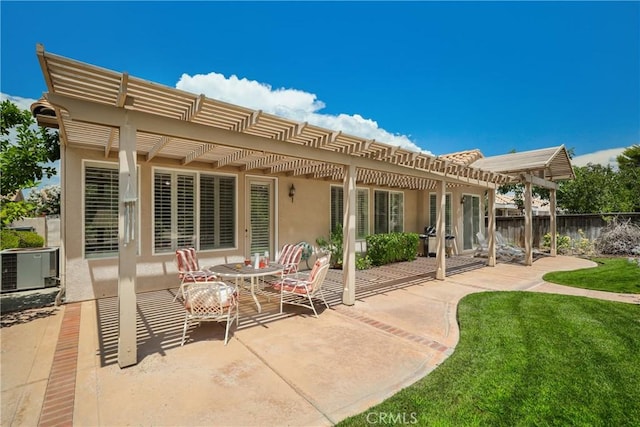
{"x":611,"y":275}
{"x":528,"y":359}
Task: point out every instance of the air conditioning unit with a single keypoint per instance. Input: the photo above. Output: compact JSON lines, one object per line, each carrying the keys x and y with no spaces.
{"x":28,"y":268}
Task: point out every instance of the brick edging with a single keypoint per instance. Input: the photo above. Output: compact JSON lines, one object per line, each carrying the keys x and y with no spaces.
{"x":59,"y":397}
{"x":401,"y":333}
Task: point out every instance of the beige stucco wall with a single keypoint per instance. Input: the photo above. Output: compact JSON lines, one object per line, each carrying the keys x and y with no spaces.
{"x":303,"y":219}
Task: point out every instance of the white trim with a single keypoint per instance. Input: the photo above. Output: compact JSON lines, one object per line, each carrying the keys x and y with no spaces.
{"x":197,"y":174}
{"x":107,"y":165}
{"x":274,"y":211}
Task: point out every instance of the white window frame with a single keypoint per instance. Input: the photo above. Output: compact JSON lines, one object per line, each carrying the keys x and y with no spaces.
{"x":197,"y":174}
{"x":478,"y":225}
{"x":235,"y":209}
{"x":366,"y":216}
{"x":448,"y":219}
{"x":105,"y":165}
{"x":389,"y":193}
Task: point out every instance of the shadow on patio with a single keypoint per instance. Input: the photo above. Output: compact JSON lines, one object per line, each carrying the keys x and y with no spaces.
{"x":160,"y":319}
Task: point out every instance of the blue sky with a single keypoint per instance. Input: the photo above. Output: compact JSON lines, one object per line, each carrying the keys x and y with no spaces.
{"x":440,"y":76}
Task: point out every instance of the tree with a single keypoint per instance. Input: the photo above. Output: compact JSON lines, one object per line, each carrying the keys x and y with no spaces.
{"x":595,"y":189}
{"x":25,"y":159}
{"x":629,"y":170}
{"x":46,"y":201}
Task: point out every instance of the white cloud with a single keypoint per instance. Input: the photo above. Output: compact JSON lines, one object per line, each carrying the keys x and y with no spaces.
{"x":293,"y":104}
{"x":22,"y":103}
{"x":602,"y":157}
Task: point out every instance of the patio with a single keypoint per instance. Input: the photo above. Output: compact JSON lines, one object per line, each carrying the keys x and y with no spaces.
{"x":290,"y":369}
{"x":160,"y":319}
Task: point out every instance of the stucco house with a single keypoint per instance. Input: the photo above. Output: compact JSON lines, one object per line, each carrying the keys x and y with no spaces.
{"x":147,"y":169}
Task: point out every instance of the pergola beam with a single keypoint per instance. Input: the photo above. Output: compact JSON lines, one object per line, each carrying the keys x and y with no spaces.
{"x":105,"y":115}
{"x":195,"y":154}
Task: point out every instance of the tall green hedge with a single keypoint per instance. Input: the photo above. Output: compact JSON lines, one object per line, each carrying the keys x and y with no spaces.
{"x":392,"y":247}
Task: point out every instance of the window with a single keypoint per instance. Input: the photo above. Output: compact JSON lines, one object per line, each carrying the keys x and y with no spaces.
{"x":362,"y":213}
{"x":389,"y":212}
{"x":362,"y":210}
{"x":217,"y":212}
{"x":260,"y":216}
{"x":447,"y":212}
{"x":470,"y":219}
{"x":100,"y":211}
{"x":178,"y":222}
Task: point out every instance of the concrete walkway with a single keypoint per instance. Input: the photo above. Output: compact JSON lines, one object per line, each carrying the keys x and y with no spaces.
{"x":290,"y":369}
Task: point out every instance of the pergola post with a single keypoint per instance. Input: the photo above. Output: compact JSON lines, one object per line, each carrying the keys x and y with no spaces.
{"x":528,"y":224}
{"x":552,"y":221}
{"x":349,"y":236}
{"x":441,"y":267}
{"x":491,"y":228}
{"x":127,"y":246}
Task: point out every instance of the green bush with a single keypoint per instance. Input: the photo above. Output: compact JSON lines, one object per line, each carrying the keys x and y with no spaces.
{"x":583,"y":246}
{"x":333,"y":245}
{"x":563,"y":243}
{"x":392,"y":247}
{"x":21,"y":239}
{"x":362,"y":262}
{"x":30,"y":239}
{"x":10,"y":239}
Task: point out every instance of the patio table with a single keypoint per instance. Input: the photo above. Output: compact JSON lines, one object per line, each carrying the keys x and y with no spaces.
{"x":240,"y":271}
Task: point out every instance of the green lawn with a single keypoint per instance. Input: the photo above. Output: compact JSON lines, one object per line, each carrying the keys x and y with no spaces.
{"x":528,"y":359}
{"x":611,"y":274}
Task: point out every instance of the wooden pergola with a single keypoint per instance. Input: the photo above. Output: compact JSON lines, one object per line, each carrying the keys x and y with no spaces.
{"x":133,"y":119}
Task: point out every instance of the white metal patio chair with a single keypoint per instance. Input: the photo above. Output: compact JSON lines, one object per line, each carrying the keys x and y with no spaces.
{"x":301,"y":289}
{"x":513,"y":250}
{"x":482,"y":250}
{"x":289,"y":257}
{"x":210,"y":302}
{"x":189,"y":270}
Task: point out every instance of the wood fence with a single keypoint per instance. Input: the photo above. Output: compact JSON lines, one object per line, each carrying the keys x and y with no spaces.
{"x":512,"y":227}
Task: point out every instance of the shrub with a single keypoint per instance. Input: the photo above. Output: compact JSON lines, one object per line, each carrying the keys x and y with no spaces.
{"x":10,"y":239}
{"x":21,"y":239}
{"x":563,"y":243}
{"x":583,"y":246}
{"x":333,"y":245}
{"x":619,"y":238}
{"x":362,"y":262}
{"x":30,"y":239}
{"x":392,"y":247}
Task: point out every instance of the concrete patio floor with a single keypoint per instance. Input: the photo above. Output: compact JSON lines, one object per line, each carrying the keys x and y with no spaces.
{"x":59,"y":364}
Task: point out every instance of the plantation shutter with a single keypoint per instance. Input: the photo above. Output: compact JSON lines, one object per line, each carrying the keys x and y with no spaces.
{"x":447,"y":212}
{"x":185,"y":211}
{"x":162,"y":229}
{"x":337,"y":207}
{"x":100,"y":212}
{"x":396,"y":212}
{"x":362,"y":214}
{"x":227,"y":212}
{"x":260,"y":217}
{"x":174,"y":211}
{"x":217,"y":212}
{"x":381,"y":214}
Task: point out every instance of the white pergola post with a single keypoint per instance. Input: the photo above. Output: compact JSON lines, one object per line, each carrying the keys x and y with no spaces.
{"x":491,"y":228}
{"x":349,"y":236}
{"x":552,"y":221}
{"x":127,"y":245}
{"x":528,"y":224}
{"x":441,"y":262}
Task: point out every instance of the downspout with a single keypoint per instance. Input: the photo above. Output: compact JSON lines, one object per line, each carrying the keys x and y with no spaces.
{"x":62,"y":259}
